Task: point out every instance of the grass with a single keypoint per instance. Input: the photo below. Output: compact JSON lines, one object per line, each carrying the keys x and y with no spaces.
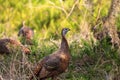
{"x":89,"y":62}
{"x":91,"y":59}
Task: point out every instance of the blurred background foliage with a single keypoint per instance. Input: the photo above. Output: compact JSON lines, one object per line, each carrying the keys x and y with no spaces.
{"x":47,"y":17}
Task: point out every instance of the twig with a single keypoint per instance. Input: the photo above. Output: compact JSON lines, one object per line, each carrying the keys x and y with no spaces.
{"x":72,"y":8}
{"x":53,"y":5}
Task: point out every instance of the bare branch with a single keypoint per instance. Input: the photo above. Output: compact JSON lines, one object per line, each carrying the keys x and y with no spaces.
{"x":76,"y":2}
{"x":57,"y":7}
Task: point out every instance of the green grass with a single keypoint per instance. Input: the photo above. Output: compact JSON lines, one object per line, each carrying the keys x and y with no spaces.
{"x":104,"y":61}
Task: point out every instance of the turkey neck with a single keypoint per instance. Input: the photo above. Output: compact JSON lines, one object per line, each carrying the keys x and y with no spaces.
{"x":64,"y":45}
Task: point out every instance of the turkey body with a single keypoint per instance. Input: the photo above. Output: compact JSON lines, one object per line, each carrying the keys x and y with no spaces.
{"x":26,"y":33}
{"x":8,"y":45}
{"x":54,"y":64}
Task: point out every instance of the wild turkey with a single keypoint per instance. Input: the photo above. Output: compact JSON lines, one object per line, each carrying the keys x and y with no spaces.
{"x":8,"y":45}
{"x":54,"y":64}
{"x":26,"y":33}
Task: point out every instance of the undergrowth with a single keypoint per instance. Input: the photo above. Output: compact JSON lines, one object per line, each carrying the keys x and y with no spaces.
{"x":90,"y":61}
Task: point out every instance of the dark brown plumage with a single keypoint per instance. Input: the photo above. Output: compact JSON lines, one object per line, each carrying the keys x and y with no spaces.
{"x":26,"y":33}
{"x":9,"y":45}
{"x":54,"y":64}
